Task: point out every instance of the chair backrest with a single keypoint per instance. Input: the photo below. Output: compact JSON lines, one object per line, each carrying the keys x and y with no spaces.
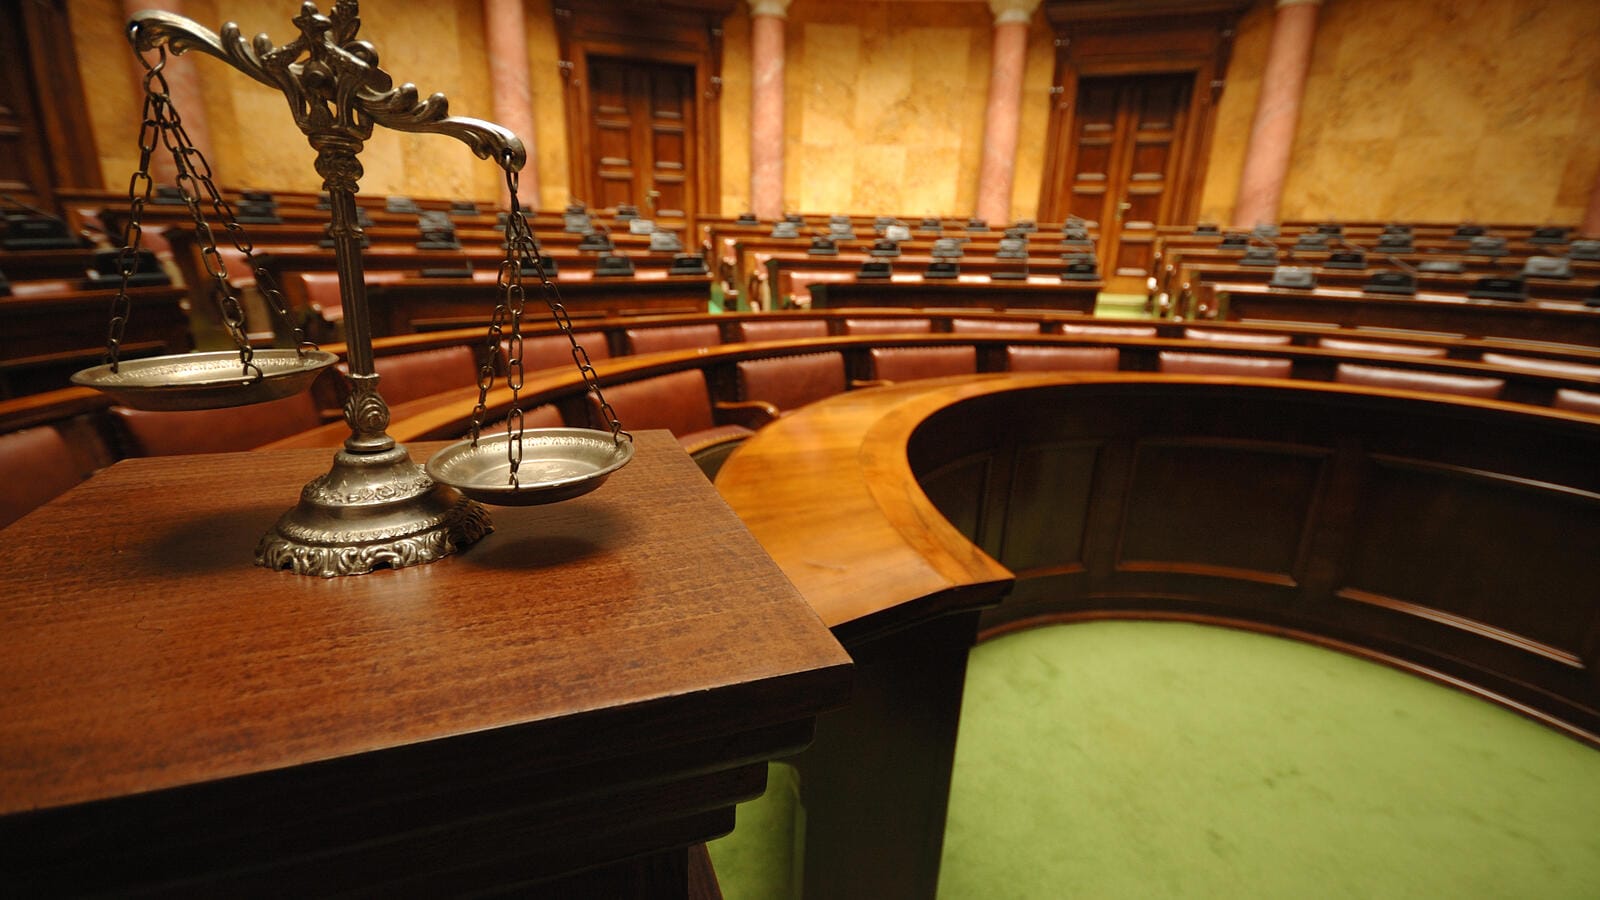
{"x":779,"y":329}
{"x":1578,"y":401}
{"x":1410,"y":380}
{"x":1345,"y":345}
{"x":215,"y":430}
{"x":1109,"y":330}
{"x":36,"y":465}
{"x":1063,"y":359}
{"x":551,"y":351}
{"x":407,"y":376}
{"x":992,"y":326}
{"x":888,"y":325}
{"x":543,"y":416}
{"x":1235,"y":337}
{"x":911,"y":363}
{"x":672,"y":337}
{"x":788,"y":382}
{"x":678,"y":402}
{"x":1180,"y":363}
{"x":1542,"y":366}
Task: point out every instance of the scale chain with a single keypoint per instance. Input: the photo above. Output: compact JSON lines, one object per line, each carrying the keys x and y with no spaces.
{"x":139,"y":188}
{"x":520,"y":245}
{"x":182,"y":148}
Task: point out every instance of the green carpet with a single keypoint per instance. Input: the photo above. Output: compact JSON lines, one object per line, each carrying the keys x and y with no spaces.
{"x":1150,"y":759}
{"x":1120,"y":306}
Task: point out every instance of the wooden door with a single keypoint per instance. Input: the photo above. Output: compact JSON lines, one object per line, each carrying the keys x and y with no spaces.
{"x":1123,"y":162}
{"x":641,"y":127}
{"x":24,"y":159}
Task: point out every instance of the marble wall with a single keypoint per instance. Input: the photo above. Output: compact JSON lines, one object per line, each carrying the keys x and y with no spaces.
{"x":254,"y":139}
{"x":1415,"y":109}
{"x":1434,"y":110}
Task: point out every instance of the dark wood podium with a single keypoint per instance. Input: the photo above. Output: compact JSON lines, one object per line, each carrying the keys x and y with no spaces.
{"x":564,"y":709}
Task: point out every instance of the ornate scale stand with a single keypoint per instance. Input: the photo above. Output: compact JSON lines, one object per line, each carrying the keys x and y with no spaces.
{"x":375,"y":508}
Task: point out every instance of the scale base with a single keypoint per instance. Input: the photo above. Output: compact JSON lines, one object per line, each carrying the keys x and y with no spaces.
{"x":371,"y":511}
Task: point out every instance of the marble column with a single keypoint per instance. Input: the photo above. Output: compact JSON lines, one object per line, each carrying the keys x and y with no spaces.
{"x":766,"y":106}
{"x":506,"y":38}
{"x":1003,"y":115}
{"x":1591,"y":219}
{"x":1266,"y":159}
{"x":183,"y":86}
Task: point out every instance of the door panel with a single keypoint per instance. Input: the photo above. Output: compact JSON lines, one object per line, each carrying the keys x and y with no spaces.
{"x":1123,"y":161}
{"x":642,"y":131}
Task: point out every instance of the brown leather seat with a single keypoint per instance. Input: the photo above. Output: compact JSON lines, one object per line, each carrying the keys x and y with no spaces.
{"x":890,"y":364}
{"x":1235,"y":337}
{"x":1578,"y":401}
{"x":887,"y":325}
{"x":37,"y":466}
{"x":1063,"y":359}
{"x":215,"y":430}
{"x":992,"y":326}
{"x":679,"y":402}
{"x":407,"y":376}
{"x":779,"y":329}
{"x":1179,"y":363}
{"x":1542,"y":366}
{"x":1109,"y":330}
{"x":1345,"y":345}
{"x":544,"y":416}
{"x":1409,"y":380}
{"x":554,"y":351}
{"x":672,"y":337}
{"x":789,"y":382}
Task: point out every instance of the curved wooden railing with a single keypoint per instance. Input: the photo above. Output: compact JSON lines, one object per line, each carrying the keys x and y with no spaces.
{"x":1453,"y":538}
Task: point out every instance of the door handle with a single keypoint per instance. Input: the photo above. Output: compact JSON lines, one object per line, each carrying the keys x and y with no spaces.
{"x":650,"y":199}
{"x":1123,"y":207}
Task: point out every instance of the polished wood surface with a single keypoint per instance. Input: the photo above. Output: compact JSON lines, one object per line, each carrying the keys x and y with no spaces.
{"x":1453,"y":538}
{"x":975,"y":292}
{"x":425,"y":304}
{"x":1554,"y":321}
{"x":596,"y":679}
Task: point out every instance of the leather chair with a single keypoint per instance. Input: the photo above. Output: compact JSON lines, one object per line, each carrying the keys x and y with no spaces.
{"x":1409,"y":380}
{"x":1121,"y":331}
{"x":147,"y":433}
{"x":1557,"y":367}
{"x":1235,"y":337}
{"x":790,"y":382}
{"x":1578,"y":401}
{"x":1063,"y":359}
{"x":992,"y":326}
{"x":681,"y":403}
{"x":671,"y":337}
{"x":543,"y":416}
{"x":315,"y":297}
{"x":554,"y":351}
{"x":407,"y":376}
{"x":37,"y":466}
{"x":1174,"y":362}
{"x":779,"y":329}
{"x":892,"y":364}
{"x":888,"y":326}
{"x":1345,"y":345}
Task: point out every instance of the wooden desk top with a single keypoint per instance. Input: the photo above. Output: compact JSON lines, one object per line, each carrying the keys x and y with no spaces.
{"x":141,"y":650}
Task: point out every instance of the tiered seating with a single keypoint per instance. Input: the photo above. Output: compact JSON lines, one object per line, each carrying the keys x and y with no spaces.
{"x":741,"y":379}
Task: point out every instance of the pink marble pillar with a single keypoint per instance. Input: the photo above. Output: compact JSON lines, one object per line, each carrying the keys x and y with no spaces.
{"x":506,"y":37}
{"x":1002,"y":118}
{"x":766,"y":106}
{"x":1266,"y":159}
{"x":1591,"y":219}
{"x":183,"y":86}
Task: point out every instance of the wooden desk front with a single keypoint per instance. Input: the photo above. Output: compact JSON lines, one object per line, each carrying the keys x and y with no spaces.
{"x":971,"y":291}
{"x":597,"y":681}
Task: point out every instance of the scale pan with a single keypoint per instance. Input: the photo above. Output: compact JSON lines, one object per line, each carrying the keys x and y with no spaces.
{"x":189,"y":381}
{"x":557,"y":464}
